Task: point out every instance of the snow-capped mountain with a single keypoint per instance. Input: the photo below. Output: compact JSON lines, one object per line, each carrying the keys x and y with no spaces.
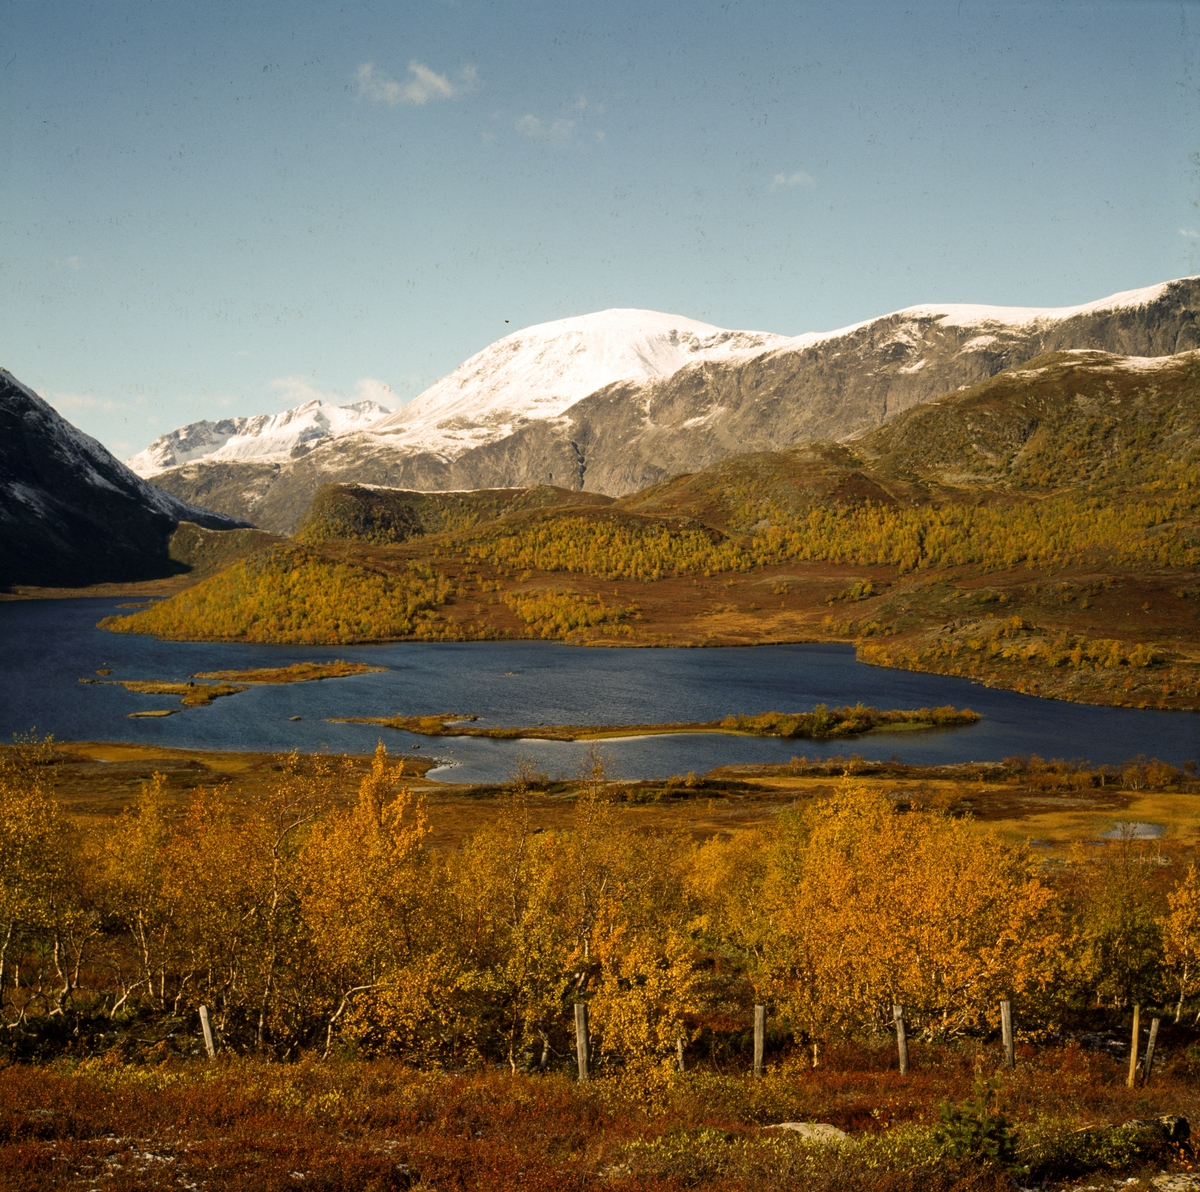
{"x":618,"y":400}
{"x":70,"y":513}
{"x":265,"y":437}
{"x":539,"y":373}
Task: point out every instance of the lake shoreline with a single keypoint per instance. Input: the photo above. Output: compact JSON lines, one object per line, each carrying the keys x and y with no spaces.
{"x":50,"y":645}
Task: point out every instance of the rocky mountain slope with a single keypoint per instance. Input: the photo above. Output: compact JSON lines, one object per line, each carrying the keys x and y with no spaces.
{"x":536,"y":407}
{"x":70,"y":513}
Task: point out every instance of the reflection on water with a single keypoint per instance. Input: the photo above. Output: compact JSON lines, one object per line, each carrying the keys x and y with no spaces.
{"x":1134,"y":830}
{"x":47,"y":646}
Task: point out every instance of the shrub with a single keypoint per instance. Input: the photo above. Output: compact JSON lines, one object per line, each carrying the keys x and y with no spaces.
{"x":974,"y":1130}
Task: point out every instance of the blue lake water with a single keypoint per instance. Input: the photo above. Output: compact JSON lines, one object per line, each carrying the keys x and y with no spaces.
{"x":46,"y":646}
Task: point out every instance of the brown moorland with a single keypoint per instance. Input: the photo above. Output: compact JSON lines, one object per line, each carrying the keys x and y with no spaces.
{"x":348,"y":1126}
{"x":1055,"y":802}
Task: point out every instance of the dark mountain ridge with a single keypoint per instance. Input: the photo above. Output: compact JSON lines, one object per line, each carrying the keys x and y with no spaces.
{"x":71,"y":514}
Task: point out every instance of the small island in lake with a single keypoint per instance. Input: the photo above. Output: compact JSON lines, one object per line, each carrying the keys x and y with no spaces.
{"x":195,"y":695}
{"x":298,"y":672}
{"x":821,"y":722}
{"x":230,"y":682}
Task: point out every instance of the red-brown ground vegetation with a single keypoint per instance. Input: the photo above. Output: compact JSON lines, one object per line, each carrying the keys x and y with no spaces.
{"x":351,"y":1125}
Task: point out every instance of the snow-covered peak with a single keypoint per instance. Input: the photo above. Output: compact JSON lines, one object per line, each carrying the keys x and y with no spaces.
{"x":262,"y":438}
{"x":541,"y":371}
{"x":538,"y":373}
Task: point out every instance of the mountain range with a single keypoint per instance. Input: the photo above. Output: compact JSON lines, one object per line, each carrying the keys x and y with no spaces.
{"x":266,"y":437}
{"x":615,"y":401}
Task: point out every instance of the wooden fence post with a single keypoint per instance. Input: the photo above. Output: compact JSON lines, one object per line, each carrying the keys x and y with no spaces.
{"x":583,"y":1042}
{"x":760,"y":1038}
{"x":1148,"y":1066}
{"x":901,"y":1038}
{"x":206,"y":1027}
{"x":1006,"y":1031}
{"x":1133,"y":1048}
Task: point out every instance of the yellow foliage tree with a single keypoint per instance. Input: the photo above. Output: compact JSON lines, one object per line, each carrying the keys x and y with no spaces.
{"x":135,"y":869}
{"x":365,"y":894}
{"x":1181,"y":937}
{"x":35,"y":845}
{"x":872,"y":907}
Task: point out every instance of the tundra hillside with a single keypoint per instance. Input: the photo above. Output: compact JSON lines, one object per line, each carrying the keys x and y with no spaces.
{"x":1040,"y":531}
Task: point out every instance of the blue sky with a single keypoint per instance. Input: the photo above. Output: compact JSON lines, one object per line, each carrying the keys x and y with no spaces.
{"x":218,"y":209}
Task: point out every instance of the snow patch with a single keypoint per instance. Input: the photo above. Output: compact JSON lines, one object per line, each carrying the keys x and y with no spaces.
{"x":1146,"y":363}
{"x":705,"y":419}
{"x":967,"y":315}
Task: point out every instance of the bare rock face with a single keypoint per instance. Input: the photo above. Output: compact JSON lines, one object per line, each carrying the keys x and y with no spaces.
{"x":821,"y":1133}
{"x":718,"y":394}
{"x":70,"y":513}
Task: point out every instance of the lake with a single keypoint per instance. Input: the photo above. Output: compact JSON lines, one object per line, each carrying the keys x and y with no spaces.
{"x":47,"y":646}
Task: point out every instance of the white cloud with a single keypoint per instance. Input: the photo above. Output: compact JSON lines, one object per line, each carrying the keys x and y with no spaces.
{"x":297,"y":390}
{"x":369,"y":389}
{"x":82,"y":403}
{"x":541,"y":130}
{"x":423,"y":85}
{"x":1189,"y":233}
{"x":799,"y":178}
